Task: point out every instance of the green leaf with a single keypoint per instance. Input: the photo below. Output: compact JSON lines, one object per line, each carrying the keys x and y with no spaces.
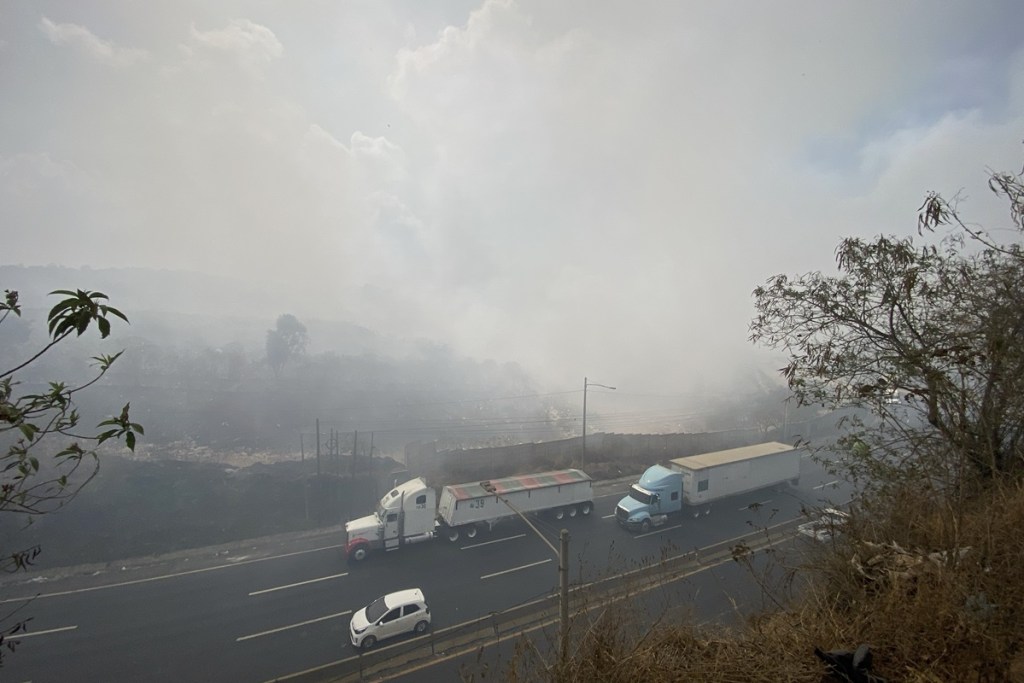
{"x":113,"y":311}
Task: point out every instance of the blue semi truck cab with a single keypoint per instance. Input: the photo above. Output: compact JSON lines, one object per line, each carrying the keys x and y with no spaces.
{"x":656,"y":494}
{"x":695,"y":481}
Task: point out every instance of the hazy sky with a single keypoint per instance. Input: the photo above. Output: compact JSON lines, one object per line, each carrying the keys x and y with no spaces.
{"x":587,"y":188}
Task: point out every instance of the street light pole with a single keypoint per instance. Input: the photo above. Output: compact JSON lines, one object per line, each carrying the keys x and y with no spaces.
{"x":583,"y":457}
{"x":562,"y":553}
{"x":563,"y":598}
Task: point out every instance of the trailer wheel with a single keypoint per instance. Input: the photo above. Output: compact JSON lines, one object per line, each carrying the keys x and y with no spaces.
{"x":645,"y":526}
{"x":453,"y":535}
{"x":358,"y":553}
{"x":471,"y":532}
{"x":572,"y":511}
{"x":560,"y":513}
{"x":586,"y":509}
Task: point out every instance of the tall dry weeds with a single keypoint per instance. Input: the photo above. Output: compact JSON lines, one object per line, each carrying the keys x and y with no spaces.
{"x":936,"y":590}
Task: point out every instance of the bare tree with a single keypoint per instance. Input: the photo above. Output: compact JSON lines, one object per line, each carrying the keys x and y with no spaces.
{"x":286,"y":341}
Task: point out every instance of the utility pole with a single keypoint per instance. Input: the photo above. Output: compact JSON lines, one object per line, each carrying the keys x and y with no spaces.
{"x":319,"y":486}
{"x":563,"y":597}
{"x":355,"y":446}
{"x":583,"y":458}
{"x":305,"y":479}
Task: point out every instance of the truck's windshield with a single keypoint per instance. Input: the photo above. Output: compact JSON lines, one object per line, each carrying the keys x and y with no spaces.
{"x":382,"y":505}
{"x":637,"y":493}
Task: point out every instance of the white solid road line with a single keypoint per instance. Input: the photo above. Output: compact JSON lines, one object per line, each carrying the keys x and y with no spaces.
{"x":300,"y":583}
{"x":658,"y":531}
{"x":514,"y":569}
{"x":19,"y":636}
{"x":821,"y":486}
{"x":497,"y":540}
{"x":285,"y":628}
{"x":608,"y":516}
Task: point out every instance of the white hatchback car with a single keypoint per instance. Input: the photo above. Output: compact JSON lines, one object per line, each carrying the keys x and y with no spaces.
{"x":388,"y":616}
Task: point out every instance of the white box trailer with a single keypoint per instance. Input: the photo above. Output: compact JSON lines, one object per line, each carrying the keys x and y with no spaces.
{"x":710,"y":476}
{"x":564,"y":492}
{"x":694,"y":482}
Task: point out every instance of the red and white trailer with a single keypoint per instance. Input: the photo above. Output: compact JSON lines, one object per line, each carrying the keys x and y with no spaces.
{"x":413,"y":512}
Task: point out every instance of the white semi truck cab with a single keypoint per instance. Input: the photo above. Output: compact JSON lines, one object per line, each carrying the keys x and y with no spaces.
{"x":406,"y":514}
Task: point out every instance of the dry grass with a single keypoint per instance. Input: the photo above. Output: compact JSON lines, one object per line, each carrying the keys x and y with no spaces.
{"x":937,"y":592}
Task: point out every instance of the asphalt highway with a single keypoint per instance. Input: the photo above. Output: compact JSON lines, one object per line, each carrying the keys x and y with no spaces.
{"x":278,"y":608}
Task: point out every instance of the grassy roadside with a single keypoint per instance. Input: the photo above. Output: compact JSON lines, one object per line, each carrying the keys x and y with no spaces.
{"x":937,"y":593}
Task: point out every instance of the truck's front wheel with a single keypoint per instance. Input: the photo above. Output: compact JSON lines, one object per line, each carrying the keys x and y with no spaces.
{"x":645,"y":526}
{"x":358,"y":553}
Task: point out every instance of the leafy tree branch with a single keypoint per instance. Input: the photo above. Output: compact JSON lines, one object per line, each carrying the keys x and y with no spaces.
{"x":923,"y":337}
{"x":35,"y":477}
